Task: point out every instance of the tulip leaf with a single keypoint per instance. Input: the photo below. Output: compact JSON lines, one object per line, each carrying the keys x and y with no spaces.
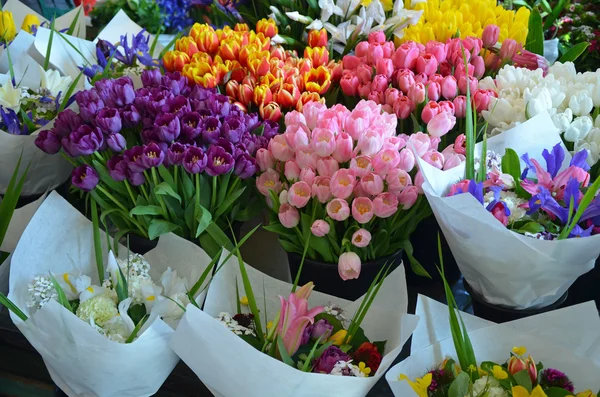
{"x":146,"y":210}
{"x":11,"y":197}
{"x":279,"y":229}
{"x":137,"y":329}
{"x":307,"y":366}
{"x":12,"y":307}
{"x":231,"y":198}
{"x":74,"y":23}
{"x":158,"y":227}
{"x":321,"y":245}
{"x":187,"y":186}
{"x":164,"y":189}
{"x":285,"y":357}
{"x":522,"y":378}
{"x":535,"y":37}
{"x":460,"y":386}
{"x":574,"y":52}
{"x":108,"y":180}
{"x":49,"y":48}
{"x":204,"y":218}
{"x":557,"y":392}
{"x":166,"y":175}
{"x":223,"y":182}
{"x":415,"y":265}
{"x":121,"y":288}
{"x":290,"y":246}
{"x":209,"y":270}
{"x":69,"y":92}
{"x":62,"y":297}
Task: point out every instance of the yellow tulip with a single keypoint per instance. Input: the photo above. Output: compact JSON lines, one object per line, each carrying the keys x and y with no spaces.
{"x":8,"y":31}
{"x":30,"y":21}
{"x":338,"y":337}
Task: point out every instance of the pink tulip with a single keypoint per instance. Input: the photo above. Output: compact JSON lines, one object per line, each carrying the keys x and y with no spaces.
{"x":299,"y":194}
{"x":269,"y":180}
{"x":312,"y":112}
{"x":294,"y":318}
{"x":434,"y":158}
{"x":391,"y":95}
{"x":385,"y":205}
{"x":420,"y":141}
{"x":427,"y":64}
{"x":380,"y":83}
{"x":294,"y":117}
{"x":446,"y":106}
{"x":500,"y":212}
{"x":306,"y":158}
{"x":356,"y":124}
{"x":362,"y":209}
{"x":449,"y":87}
{"x":349,"y":266}
{"x":408,"y":197}
{"x":456,"y":57}
{"x":460,"y":144}
{"x":349,"y":84}
{"x":403,"y":107}
{"x":440,"y":124}
{"x":377,"y":97}
{"x":405,"y":56}
{"x":361,"y":165}
{"x":364,"y":73}
{"x":479,"y":65}
{"x":433,"y":91}
{"x":462,"y":84}
{"x":530,"y":61}
{"x":359,"y":191}
{"x":369,"y":143}
{"x":509,"y":49}
{"x":431,"y":109}
{"x":384,"y":67}
{"x":481,"y":98}
{"x":296,"y":135}
{"x":361,"y":49}
{"x":372,"y":184}
{"x":280,"y":149}
{"x":405,"y":79}
{"x":437,"y":49}
{"x":398,"y":179}
{"x":343,"y":148}
{"x":320,"y":189}
{"x":338,"y":209}
{"x":461,"y":71}
{"x":419,"y":180}
{"x":377,"y":37}
{"x":364,"y":89}
{"x":436,"y":78}
{"x":385,"y":160}
{"x":307,"y":175}
{"x":394,"y":142}
{"x":421,"y":78}
{"x":320,"y":228}
{"x":375,"y":52}
{"x":460,"y":106}
{"x":327,"y":166}
{"x":446,"y":68}
{"x":288,"y":216}
{"x":361,"y":238}
{"x":387,"y":108}
{"x":342,"y":183}
{"x":351,"y":62}
{"x":416,"y":93}
{"x":291,"y":171}
{"x":264,"y":159}
{"x":323,"y":142}
{"x":406,"y":160}
{"x":454,"y":160}
{"x":388,"y":49}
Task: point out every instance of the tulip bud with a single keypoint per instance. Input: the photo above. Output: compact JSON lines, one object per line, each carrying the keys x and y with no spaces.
{"x":30,"y":21}
{"x":516,"y":364}
{"x":508,"y":49}
{"x":270,"y":111}
{"x":317,"y":38}
{"x":262,"y":95}
{"x":186,"y":44}
{"x":318,"y":55}
{"x":427,"y":64}
{"x":8,"y":31}
{"x":268,"y":27}
{"x":174,"y":61}
{"x":433,"y":91}
{"x":490,"y":36}
{"x":416,"y":93}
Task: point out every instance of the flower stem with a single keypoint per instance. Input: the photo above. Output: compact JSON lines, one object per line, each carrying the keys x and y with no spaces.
{"x":158,"y":197}
{"x":69,"y":159}
{"x":111,"y":197}
{"x":213,"y":199}
{"x":197,"y":206}
{"x":130,"y":192}
{"x":306,"y":244}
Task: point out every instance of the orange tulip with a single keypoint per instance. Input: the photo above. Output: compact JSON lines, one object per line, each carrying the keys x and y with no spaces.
{"x":246,"y":52}
{"x":201,"y":74}
{"x":241,"y":27}
{"x":308,"y":97}
{"x":245,"y":93}
{"x":305,"y":65}
{"x":287,"y":96}
{"x":200,"y":57}
{"x":231,"y":88}
{"x":317,"y":38}
{"x":277,"y":52}
{"x":175,"y":61}
{"x":258,"y":63}
{"x":229,"y":49}
{"x":237,"y":72}
{"x":262,"y":94}
{"x":297,"y":80}
{"x":220,"y":69}
{"x":268,"y":27}
{"x":186,"y":44}
{"x":241,"y":107}
{"x":270,"y":111}
{"x":318,"y":55}
{"x":263,"y":42}
{"x":318,"y":80}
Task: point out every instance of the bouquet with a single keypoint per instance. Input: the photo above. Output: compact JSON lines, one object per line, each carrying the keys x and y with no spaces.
{"x":167,"y":157}
{"x":342,"y":186}
{"x":538,"y":261}
{"x":89,"y":323}
{"x":254,"y":72}
{"x":309,"y":334}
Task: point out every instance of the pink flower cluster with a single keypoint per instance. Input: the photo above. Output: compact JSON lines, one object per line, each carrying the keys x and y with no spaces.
{"x":429,"y":81}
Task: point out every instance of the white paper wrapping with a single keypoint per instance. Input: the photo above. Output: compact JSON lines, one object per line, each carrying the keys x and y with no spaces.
{"x":505,"y":267}
{"x":557,"y":346}
{"x":20,"y":11}
{"x":18,"y":223}
{"x":212,"y":351}
{"x":80,"y":360}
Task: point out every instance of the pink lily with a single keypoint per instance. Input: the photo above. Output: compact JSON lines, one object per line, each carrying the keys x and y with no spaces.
{"x":558,"y":185}
{"x":295,"y":317}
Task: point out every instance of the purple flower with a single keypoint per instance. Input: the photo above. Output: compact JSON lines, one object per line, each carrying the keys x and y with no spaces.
{"x":104,"y":89}
{"x":228,"y":146}
{"x":194,"y":160}
{"x":321,"y":329}
{"x":579,"y":160}
{"x":83,"y":141}
{"x":592,"y":211}
{"x":117,"y":168}
{"x":84,"y":177}
{"x":151,"y":78}
{"x":66,"y":122}
{"x":175,"y":153}
{"x":152,"y":156}
{"x":158,"y":100}
{"x":578,"y":232}
{"x":233,"y":128}
{"x":167,"y":127}
{"x":554,"y":378}
{"x":48,"y":142}
{"x":190,"y":125}
{"x":116,"y":142}
{"x":211,"y":130}
{"x":251,"y":121}
{"x":122,"y":92}
{"x":176,"y":83}
{"x":306,"y":335}
{"x":89,"y":103}
{"x":219,"y":161}
{"x":130,"y":116}
{"x":245,"y":166}
{"x":109,"y":120}
{"x":133,"y":157}
{"x":271,"y":128}
{"x":545,"y":201}
{"x":202,"y":94}
{"x":329,"y":358}
{"x":476,"y":189}
{"x":177,"y":105}
{"x":554,"y":160}
{"x":143,"y":96}
{"x":136,"y":178}
{"x":490,"y":207}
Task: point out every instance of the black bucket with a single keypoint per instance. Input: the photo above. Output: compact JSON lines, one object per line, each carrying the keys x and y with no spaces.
{"x":503,"y":314}
{"x":586,"y":287}
{"x":327,"y":278}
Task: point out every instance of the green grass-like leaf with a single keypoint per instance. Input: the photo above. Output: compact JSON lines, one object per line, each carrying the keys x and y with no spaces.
{"x":97,"y":242}
{"x":535,"y":37}
{"x":62,"y":297}
{"x":12,"y":307}
{"x":69,"y":92}
{"x":74,"y":23}
{"x":137,"y":329}
{"x":585,"y":202}
{"x":469,"y":132}
{"x":574,"y":52}
{"x":285,"y":357}
{"x":49,"y":48}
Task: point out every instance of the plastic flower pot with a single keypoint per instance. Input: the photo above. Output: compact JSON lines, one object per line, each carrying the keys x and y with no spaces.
{"x":502,"y":314}
{"x":328,"y":280}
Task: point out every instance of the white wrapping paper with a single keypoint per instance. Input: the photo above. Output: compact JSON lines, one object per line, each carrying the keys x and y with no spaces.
{"x":80,"y":360}
{"x":505,"y":267}
{"x":560,"y":345}
{"x":20,"y":11}
{"x":230,"y":367}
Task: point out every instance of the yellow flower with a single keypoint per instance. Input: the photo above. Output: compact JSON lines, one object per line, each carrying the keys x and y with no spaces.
{"x":520,"y":391}
{"x":420,"y":385}
{"x":519,"y":351}
{"x":8,"y":31}
{"x":364,"y":369}
{"x":269,"y":324}
{"x":338,"y":337}
{"x":587,"y":393}
{"x":472,"y":368}
{"x":244,"y":300}
{"x":499,"y":373}
{"x":29,"y":21}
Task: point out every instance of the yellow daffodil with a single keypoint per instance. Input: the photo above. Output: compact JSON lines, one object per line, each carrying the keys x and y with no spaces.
{"x":520,"y":391}
{"x":8,"y":31}
{"x":420,"y":385}
{"x":499,"y":373}
{"x":443,"y":19}
{"x":244,"y":300}
{"x":29,"y":21}
{"x":364,"y":369}
{"x":587,"y":393}
{"x":519,"y":351}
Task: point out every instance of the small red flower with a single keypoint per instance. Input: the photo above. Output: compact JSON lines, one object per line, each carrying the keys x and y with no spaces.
{"x":368,"y":354}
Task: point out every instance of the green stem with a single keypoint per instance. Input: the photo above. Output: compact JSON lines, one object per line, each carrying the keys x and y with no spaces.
{"x":297,"y":279}
{"x":213,"y":199}
{"x":129,"y":191}
{"x":197,"y":205}
{"x":69,"y":159}
{"x":111,"y":197}
{"x":158,"y":197}
{"x":175,"y":177}
{"x":145,"y":193}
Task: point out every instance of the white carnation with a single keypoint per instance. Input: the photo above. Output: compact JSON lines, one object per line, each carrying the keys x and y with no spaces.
{"x":490,"y":385}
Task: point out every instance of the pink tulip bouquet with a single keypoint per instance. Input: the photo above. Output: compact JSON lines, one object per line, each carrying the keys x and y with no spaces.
{"x":343,"y":187}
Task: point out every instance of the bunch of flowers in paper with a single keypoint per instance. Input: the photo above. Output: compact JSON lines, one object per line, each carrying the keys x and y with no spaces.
{"x":572,"y":99}
{"x":543,"y":206}
{"x":170,"y":156}
{"x":346,"y":179}
{"x":8,"y":30}
{"x":255,"y":73}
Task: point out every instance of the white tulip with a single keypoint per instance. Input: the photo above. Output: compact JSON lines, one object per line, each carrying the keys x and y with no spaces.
{"x":521,"y":78}
{"x":562,"y":121}
{"x":537,"y":101}
{"x":564,"y":71}
{"x":10,"y":97}
{"x":597,"y":122}
{"x":487,"y":83}
{"x":296,"y":16}
{"x":581,"y":103}
{"x":593,"y":151}
{"x":578,"y":129}
{"x":595,"y":92}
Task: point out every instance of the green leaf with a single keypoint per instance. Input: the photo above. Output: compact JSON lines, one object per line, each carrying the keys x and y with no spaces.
{"x":11,"y":197}
{"x":137,"y":329}
{"x":307,"y":367}
{"x":535,"y":37}
{"x":164,"y":189}
{"x":512,"y":165}
{"x":204,"y":219}
{"x":121,"y":288}
{"x":223,"y":186}
{"x":460,"y":386}
{"x":97,"y":242}
{"x":557,"y":392}
{"x":105,"y":177}
{"x":69,"y":92}
{"x":285,"y":357}
{"x":290,"y":247}
{"x":415,"y":265}
{"x":166,"y":175}
{"x":169,"y":45}
{"x":209,"y":269}
{"x":574,"y":52}
{"x":74,"y":23}
{"x":531,"y":227}
{"x":224,"y":206}
{"x":30,"y":125}
{"x":219,"y":236}
{"x":522,"y":378}
{"x":158,"y":227}
{"x":62,"y":297}
{"x":551,"y":17}
{"x":12,"y":307}
{"x":279,"y":229}
{"x":49,"y":48}
{"x":469,"y":130}
{"x":331,"y":319}
{"x":146,"y":210}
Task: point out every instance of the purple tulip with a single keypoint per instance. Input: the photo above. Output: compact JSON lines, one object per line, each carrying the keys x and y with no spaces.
{"x":122,"y":92}
{"x":177,"y":105}
{"x":211,"y":130}
{"x":130,"y":116}
{"x":219,"y":104}
{"x":142,"y":97}
{"x":177,"y":83}
{"x":151,"y":78}
{"x":167,"y":127}
{"x":228,"y":146}
{"x":89,"y":103}
{"x":133,"y":157}
{"x":191,"y":125}
{"x":329,"y":358}
{"x":109,"y":120}
{"x":271,"y":128}
{"x":66,"y":122}
{"x":321,"y":329}
{"x":175,"y":153}
{"x":157,"y":101}
{"x":201,"y":94}
{"x":136,"y":178}
{"x":251,"y":121}
{"x":104,"y":89}
{"x":117,"y":168}
{"x":83,"y":141}
{"x":152,"y":156}
{"x":149,"y":135}
{"x":194,"y":160}
{"x":48,"y":142}
{"x":84,"y":177}
{"x":116,"y":142}
{"x":245,"y":166}
{"x":233,"y":128}
{"x":204,"y":113}
{"x":219,"y":161}
{"x":306,"y":335}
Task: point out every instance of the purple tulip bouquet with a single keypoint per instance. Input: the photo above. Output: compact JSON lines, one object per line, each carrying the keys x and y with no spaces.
{"x":167,"y":157}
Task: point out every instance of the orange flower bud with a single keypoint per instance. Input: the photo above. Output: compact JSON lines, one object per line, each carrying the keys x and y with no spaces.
{"x":297,"y":80}
{"x":201,"y":74}
{"x":219,"y":70}
{"x":317,"y":80}
{"x":245,"y":94}
{"x":305,"y":65}
{"x":268,"y":27}
{"x":276,"y":68}
{"x":263,"y":42}
{"x":186,"y":44}
{"x":277,"y":52}
{"x":241,"y":107}
{"x":201,"y":56}
{"x":259,"y":63}
{"x":287,"y":96}
{"x":199,"y":28}
{"x":318,"y":55}
{"x":317,"y":38}
{"x":270,"y":80}
{"x":308,"y":97}
{"x":516,"y":364}
{"x":229,"y":49}
{"x":237,"y":71}
{"x":246,"y":52}
{"x":262,"y":94}
{"x":231,"y":88}
{"x":175,"y":61}
{"x":207,"y":41}
{"x":241,"y":27}
{"x":250,"y":81}
{"x":270,"y":111}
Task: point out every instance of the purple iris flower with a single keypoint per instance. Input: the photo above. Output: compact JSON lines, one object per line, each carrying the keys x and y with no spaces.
{"x":572,"y":191}
{"x":48,"y":142}
{"x":194,"y":160}
{"x":84,"y":177}
{"x":579,"y":160}
{"x":66,"y":122}
{"x":11,"y":123}
{"x":152,"y":156}
{"x":580,"y":232}
{"x":592,"y":211}
{"x":497,"y":200}
{"x":554,"y":160}
{"x":191,"y":125}
{"x":117,"y":168}
{"x":219,"y":161}
{"x":91,"y":71}
{"x":109,"y":120}
{"x":476,"y":190}
{"x":83,"y":141}
{"x":175,"y":153}
{"x":528,"y":165}
{"x":245,"y":166}
{"x":89,"y":103}
{"x":167,"y":127}
{"x":544,"y":200}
